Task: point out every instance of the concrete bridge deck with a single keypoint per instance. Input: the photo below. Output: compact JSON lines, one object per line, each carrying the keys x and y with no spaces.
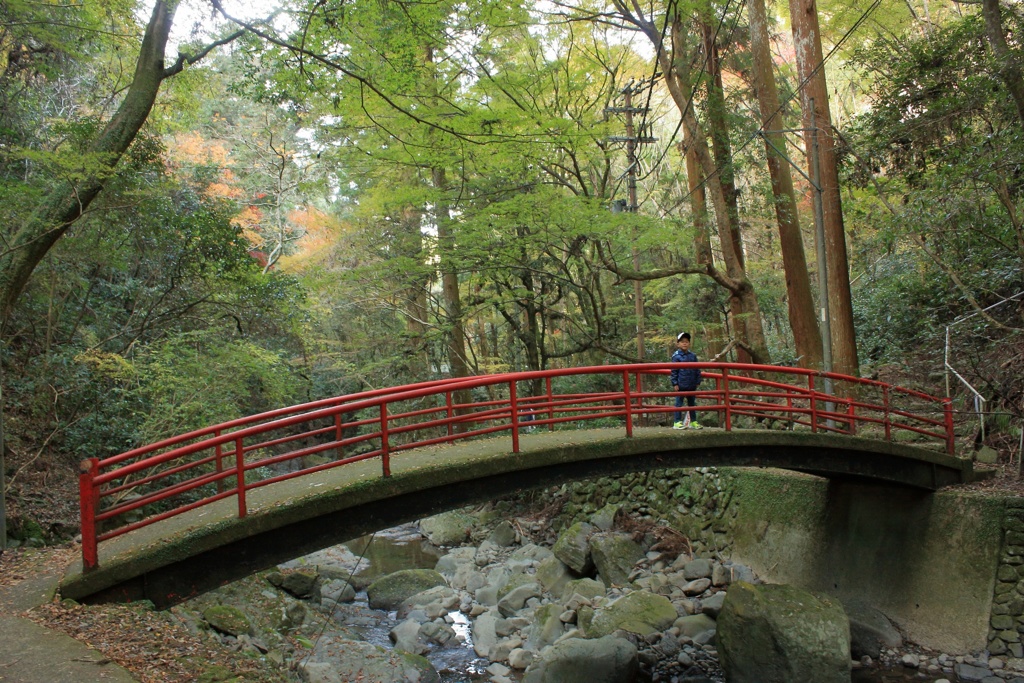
{"x":180,"y":557}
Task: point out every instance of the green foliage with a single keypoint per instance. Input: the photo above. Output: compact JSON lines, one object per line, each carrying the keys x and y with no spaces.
{"x":197,"y":379}
{"x":899,"y":309}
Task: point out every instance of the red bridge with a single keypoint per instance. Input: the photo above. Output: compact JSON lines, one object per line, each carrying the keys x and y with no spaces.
{"x":248,"y":488}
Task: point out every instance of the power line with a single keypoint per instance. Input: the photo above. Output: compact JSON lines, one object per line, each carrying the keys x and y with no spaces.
{"x":871,"y":8}
{"x":693,"y":88}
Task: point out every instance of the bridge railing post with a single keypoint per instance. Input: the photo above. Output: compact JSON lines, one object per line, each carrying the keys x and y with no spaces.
{"x":450,"y":411}
{"x":851,"y":411}
{"x":814,"y":403}
{"x":551,"y":407}
{"x":640,"y":398}
{"x":514,"y":404}
{"x":219,"y":453}
{"x":628,"y":402}
{"x":947,"y":407}
{"x":339,"y":432}
{"x":88,"y":502}
{"x":886,"y":419}
{"x":385,"y":446}
{"x":727,"y":399}
{"x":240,"y":476}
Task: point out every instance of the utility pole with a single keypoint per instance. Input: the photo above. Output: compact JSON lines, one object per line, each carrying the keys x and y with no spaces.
{"x":632,"y":140}
{"x":632,"y":205}
{"x":819,"y":233}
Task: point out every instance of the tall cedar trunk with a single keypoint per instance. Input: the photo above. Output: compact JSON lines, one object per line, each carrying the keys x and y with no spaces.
{"x":810,"y":68}
{"x":802,"y":319}
{"x":531,"y":336}
{"x":455,"y":345}
{"x":1008,"y":66}
{"x":413,"y":294}
{"x":723,"y":159}
{"x":714,"y":340}
{"x":675,"y":66}
{"x":65,"y":202}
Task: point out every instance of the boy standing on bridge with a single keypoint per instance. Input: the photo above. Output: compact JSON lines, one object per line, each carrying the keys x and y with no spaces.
{"x":685,"y":379}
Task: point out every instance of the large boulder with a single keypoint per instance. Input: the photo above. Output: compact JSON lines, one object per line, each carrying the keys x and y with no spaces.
{"x":335,"y":591}
{"x":547,"y":627}
{"x":389,"y":591}
{"x":448,"y":528}
{"x":694,"y":624}
{"x":614,"y":555}
{"x":587,"y":588}
{"x":780,"y":634}
{"x":573,"y":548}
{"x":228,"y":619}
{"x":354,"y":660}
{"x":604,"y":660}
{"x":514,"y":600}
{"x":436,"y":602}
{"x":485,"y":634}
{"x":553,"y":575}
{"x":604,"y":519}
{"x":870,"y":630}
{"x":302,"y":583}
{"x":639,"y":612}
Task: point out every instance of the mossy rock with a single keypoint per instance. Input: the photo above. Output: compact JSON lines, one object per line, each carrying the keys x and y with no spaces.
{"x":227,"y":619}
{"x":779,"y":633}
{"x":573,"y":549}
{"x":638,"y":612}
{"x":614,"y":555}
{"x":448,"y":528}
{"x":367,"y":662}
{"x":588,"y":588}
{"x":215,"y":673}
{"x":514,"y":582}
{"x":388,"y":592}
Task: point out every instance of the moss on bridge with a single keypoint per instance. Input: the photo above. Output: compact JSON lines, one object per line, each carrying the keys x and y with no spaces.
{"x":177,"y":558}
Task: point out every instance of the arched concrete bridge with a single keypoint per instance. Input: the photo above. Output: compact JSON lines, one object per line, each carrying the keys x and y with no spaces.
{"x":187,"y":514}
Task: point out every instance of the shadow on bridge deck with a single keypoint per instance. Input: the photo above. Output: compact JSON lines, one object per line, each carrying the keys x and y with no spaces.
{"x":183,"y":556}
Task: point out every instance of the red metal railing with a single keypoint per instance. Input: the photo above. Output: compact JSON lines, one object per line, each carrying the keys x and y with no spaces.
{"x":155,"y":482}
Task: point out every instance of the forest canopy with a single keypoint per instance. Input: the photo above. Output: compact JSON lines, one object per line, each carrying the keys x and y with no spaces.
{"x":208,"y":214}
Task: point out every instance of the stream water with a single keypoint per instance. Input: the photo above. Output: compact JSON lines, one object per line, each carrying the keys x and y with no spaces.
{"x":390,"y":551}
{"x":370,"y":557}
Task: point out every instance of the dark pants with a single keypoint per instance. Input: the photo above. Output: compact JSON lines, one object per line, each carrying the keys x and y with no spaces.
{"x":691,"y":401}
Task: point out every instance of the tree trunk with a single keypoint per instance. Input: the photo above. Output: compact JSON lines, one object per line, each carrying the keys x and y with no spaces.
{"x":1008,"y":66}
{"x":723,"y":161}
{"x":456,"y":342}
{"x":802,"y":319}
{"x":413,"y":295}
{"x":811,"y":71}
{"x":66,"y":202}
{"x":715,"y":333}
{"x":698,"y":203}
{"x":676,"y":69}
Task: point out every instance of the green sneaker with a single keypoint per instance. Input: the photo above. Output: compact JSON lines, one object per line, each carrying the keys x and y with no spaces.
{"x":695,"y":425}
{"x":678,"y":425}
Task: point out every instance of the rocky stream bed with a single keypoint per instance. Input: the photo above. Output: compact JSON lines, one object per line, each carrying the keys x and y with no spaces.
{"x":498,"y":594}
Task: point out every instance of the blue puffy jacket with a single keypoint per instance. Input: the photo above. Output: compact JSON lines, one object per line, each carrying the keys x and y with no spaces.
{"x":686,"y":379}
